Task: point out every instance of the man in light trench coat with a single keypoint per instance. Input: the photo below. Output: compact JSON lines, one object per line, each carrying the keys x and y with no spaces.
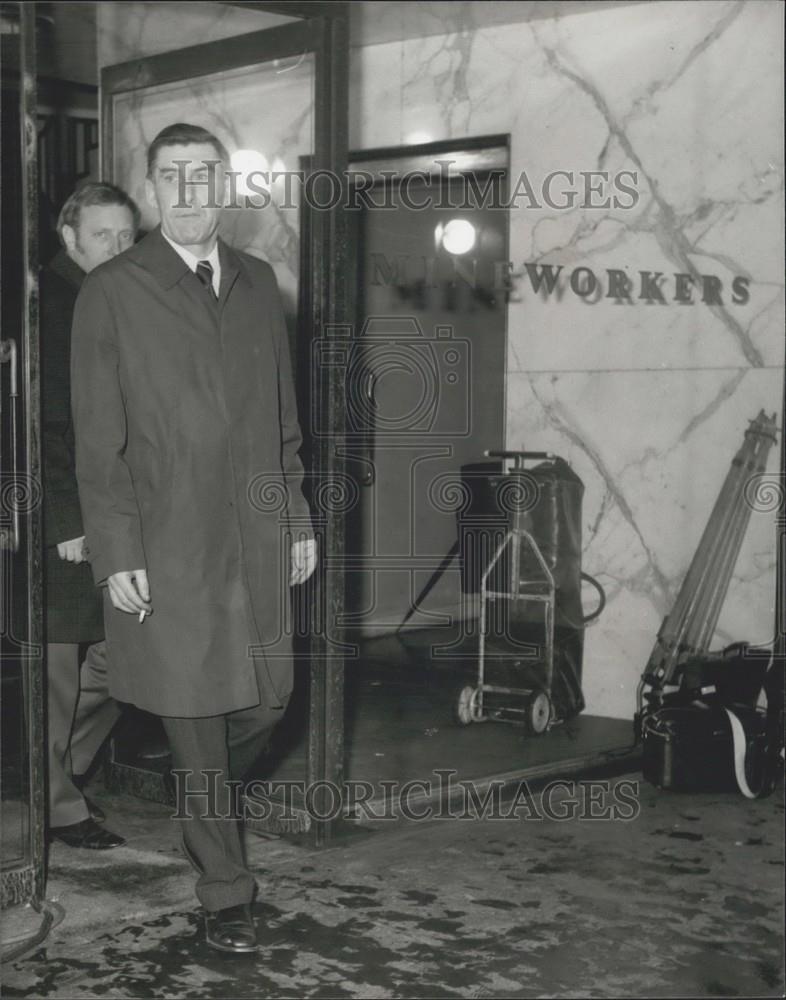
{"x":186,"y":427}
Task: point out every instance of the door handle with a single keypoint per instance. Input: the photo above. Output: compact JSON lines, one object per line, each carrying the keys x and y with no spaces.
{"x":9,"y":534}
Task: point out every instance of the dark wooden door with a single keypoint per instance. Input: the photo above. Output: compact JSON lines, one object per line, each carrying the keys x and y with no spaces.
{"x":425,"y":393}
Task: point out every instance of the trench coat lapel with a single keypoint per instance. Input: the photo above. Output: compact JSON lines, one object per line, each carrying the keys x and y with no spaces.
{"x":230,"y":271}
{"x":157,"y":256}
{"x":71,"y":272}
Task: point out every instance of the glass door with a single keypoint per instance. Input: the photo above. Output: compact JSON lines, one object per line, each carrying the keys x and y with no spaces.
{"x":275,"y":98}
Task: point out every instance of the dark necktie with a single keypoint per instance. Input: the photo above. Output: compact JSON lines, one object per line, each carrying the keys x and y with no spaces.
{"x":204,"y":271}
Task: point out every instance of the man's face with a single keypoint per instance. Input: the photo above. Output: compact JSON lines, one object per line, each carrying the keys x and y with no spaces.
{"x":103,"y":232}
{"x":187,"y":196}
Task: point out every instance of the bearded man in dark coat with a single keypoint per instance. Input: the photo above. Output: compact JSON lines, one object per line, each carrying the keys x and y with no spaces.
{"x":97,"y":222}
{"x":190,"y":485}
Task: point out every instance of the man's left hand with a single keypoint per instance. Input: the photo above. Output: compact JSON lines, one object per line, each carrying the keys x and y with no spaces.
{"x":303,"y":561}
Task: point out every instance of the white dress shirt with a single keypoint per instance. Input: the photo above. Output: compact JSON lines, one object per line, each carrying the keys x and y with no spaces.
{"x":192,"y":261}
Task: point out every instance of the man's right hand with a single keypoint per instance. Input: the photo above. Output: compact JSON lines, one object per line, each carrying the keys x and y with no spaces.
{"x":129,"y":591}
{"x":72,"y":550}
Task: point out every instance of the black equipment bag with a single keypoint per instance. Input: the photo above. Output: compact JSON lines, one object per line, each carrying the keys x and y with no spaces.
{"x":733,"y":676}
{"x":691,"y":748}
{"x":710,"y":735}
{"x":546,"y":502}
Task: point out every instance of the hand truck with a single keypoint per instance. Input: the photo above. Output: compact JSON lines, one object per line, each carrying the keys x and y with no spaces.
{"x":530,"y":704}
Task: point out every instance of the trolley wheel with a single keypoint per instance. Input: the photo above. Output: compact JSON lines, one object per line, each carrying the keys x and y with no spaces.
{"x":539,"y":713}
{"x":464,"y":704}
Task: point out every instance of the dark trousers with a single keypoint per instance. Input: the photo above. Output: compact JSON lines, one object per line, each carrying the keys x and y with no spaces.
{"x":227,"y":744}
{"x":80,"y":714}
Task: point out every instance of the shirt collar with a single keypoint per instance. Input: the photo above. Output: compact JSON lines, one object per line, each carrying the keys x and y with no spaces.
{"x":192,"y":260}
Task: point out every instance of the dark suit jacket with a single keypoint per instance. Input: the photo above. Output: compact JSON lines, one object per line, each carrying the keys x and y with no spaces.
{"x":73,"y":604}
{"x":187,"y":460}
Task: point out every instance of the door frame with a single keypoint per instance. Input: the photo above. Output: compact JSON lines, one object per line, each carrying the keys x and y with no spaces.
{"x":25,"y":881}
{"x":323,"y":29}
{"x":477,"y":153}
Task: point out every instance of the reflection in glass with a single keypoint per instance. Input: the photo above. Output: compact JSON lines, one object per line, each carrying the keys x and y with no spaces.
{"x":264,"y":116}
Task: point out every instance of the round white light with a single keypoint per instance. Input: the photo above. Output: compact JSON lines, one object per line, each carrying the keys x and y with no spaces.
{"x":250,"y":165}
{"x":458,"y":236}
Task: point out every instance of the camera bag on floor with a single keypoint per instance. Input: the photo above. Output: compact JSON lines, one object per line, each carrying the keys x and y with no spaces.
{"x":710,"y":735}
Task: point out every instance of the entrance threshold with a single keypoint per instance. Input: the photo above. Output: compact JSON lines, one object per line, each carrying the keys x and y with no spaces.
{"x":401,"y":737}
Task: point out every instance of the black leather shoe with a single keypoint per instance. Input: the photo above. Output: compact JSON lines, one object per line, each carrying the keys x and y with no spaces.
{"x":231,"y":930}
{"x":96,"y":812}
{"x":86,"y":834}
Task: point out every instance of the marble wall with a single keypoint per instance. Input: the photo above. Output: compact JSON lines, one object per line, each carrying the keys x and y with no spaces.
{"x":647,"y":400}
{"x":131,"y":30}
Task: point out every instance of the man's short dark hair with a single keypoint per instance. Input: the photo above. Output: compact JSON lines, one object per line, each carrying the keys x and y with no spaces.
{"x":94,"y":193}
{"x":183,"y":134}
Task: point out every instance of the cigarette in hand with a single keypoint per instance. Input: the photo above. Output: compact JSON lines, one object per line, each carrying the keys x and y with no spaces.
{"x":142,"y":614}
